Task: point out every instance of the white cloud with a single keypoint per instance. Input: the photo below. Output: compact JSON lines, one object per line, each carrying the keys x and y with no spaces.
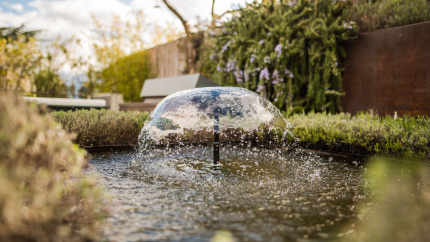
{"x":67,"y":18}
{"x":17,"y":7}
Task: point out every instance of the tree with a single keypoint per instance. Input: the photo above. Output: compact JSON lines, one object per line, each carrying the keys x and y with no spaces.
{"x":19,"y":57}
{"x":49,"y":84}
{"x":127,"y":75}
{"x":193,"y":40}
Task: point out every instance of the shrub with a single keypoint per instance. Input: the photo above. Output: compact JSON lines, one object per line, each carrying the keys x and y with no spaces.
{"x":126,"y":76}
{"x":102,"y":128}
{"x":40,"y":197}
{"x":398,"y":207}
{"x":381,"y":14}
{"x":288,"y":51}
{"x":364,"y":133}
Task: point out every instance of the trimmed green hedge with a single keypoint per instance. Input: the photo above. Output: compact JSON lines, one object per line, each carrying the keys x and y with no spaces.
{"x":364,"y":133}
{"x":102,"y":128}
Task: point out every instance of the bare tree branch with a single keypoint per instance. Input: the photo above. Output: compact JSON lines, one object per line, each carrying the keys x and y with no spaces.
{"x":212,"y":14}
{"x":183,"y":21}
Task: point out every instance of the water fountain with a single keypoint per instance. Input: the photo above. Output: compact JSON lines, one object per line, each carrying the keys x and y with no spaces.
{"x":170,"y":190}
{"x":230,"y":115}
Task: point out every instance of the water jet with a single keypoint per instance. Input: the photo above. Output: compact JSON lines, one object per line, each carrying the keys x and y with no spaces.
{"x":214,"y":115}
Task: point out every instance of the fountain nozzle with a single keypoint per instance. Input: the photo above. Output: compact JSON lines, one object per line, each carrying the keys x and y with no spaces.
{"x":216,"y":140}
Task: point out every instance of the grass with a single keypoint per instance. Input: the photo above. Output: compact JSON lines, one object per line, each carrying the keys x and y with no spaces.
{"x":398,"y":206}
{"x":43,"y":196}
{"x":102,"y":128}
{"x":365,"y":133}
{"x":382,"y":14}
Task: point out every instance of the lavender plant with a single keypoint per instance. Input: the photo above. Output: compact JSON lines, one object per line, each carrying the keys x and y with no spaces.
{"x":287,"y":51}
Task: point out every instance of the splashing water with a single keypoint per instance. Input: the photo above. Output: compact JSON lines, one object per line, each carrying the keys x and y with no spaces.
{"x":169,"y":190}
{"x":188,"y":117}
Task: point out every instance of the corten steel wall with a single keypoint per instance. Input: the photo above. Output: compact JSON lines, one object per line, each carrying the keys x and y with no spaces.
{"x":168,"y":59}
{"x":389,"y":71}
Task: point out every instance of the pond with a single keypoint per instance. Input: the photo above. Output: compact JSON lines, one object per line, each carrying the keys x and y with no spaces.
{"x":256,"y":195}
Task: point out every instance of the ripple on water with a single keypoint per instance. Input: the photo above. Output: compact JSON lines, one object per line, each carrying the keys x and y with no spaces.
{"x":257,"y":194}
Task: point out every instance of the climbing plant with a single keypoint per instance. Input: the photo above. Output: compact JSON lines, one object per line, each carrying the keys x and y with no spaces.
{"x":287,"y":51}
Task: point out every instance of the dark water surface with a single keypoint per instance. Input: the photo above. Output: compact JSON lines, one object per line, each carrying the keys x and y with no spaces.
{"x":257,"y":195}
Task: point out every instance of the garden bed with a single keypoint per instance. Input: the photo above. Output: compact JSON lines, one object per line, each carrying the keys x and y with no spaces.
{"x":363,"y":134}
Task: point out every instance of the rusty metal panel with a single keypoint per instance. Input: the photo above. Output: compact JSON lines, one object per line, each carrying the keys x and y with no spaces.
{"x":389,"y":71}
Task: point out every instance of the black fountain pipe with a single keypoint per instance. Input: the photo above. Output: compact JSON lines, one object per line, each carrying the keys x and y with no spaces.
{"x":216,"y":140}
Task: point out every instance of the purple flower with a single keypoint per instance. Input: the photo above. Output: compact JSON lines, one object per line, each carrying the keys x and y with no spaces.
{"x":348,"y":26}
{"x":276,"y":77}
{"x":275,"y":74}
{"x":224,"y":48}
{"x":292,"y":3}
{"x":213,"y":56}
{"x":267,"y":59}
{"x":238,"y":75}
{"x":278,"y":49}
{"x":264,"y":74}
{"x":218,"y":68}
{"x":246,"y":76}
{"x":231,"y":65}
{"x":288,"y":73}
{"x":252,"y":58}
{"x":260,"y":88}
{"x":262,"y":42}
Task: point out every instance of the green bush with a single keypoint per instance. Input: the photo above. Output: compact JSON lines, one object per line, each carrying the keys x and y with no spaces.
{"x":381,"y":14}
{"x":41,"y":198}
{"x":126,"y":76}
{"x":287,"y":51}
{"x":102,"y":128}
{"x":364,"y":133}
{"x":398,"y":205}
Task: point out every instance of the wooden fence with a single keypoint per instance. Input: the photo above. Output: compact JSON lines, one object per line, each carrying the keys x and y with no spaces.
{"x":168,"y":59}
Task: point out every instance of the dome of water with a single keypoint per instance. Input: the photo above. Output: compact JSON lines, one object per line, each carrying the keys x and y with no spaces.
{"x":191,"y":117}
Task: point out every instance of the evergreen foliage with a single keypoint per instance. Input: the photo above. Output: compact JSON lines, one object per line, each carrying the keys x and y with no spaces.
{"x":364,"y":133}
{"x":102,"y":128}
{"x":381,"y":14}
{"x":126,"y":76}
{"x":49,"y":84}
{"x":286,"y":51}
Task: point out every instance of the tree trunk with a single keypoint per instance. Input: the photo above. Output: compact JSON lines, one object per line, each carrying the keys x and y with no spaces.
{"x":190,"y":45}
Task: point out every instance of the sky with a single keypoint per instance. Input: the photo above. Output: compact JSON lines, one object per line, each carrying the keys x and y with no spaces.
{"x":71,"y":17}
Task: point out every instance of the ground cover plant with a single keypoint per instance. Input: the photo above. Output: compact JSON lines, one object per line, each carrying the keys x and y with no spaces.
{"x":364,"y":133}
{"x":382,"y":14}
{"x":102,"y":128}
{"x":43,"y":196}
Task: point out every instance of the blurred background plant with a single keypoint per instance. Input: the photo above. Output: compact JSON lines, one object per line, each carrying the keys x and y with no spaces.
{"x":381,"y":14}
{"x":399,"y":205}
{"x":121,"y":64}
{"x":287,"y":51}
{"x":43,"y":195}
